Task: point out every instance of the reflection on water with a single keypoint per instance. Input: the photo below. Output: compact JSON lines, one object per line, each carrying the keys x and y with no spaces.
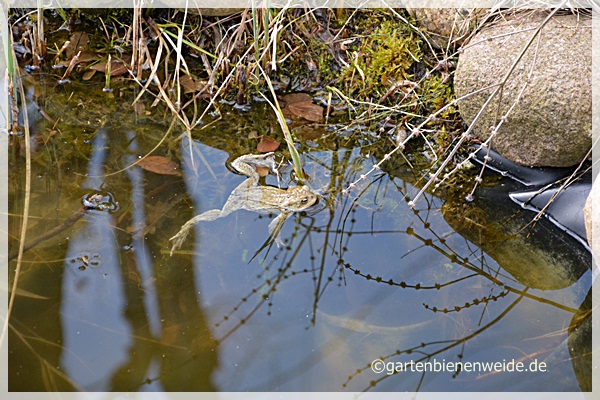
{"x":359,"y":278}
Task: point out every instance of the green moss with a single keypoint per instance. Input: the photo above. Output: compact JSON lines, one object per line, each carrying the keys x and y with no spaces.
{"x":438,"y":92}
{"x":383,"y":58}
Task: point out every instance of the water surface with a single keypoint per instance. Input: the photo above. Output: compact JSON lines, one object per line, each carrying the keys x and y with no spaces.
{"x":361,"y":277}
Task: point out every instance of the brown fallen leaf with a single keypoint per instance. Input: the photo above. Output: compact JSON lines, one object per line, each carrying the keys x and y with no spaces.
{"x":267,"y":144}
{"x":156,"y":212}
{"x":88,"y":56}
{"x":139,"y":108}
{"x":77,"y":42}
{"x":83,"y":58}
{"x":87,"y":75}
{"x":191,"y":85}
{"x":291,"y":99}
{"x":296,"y":98}
{"x":160,"y":165}
{"x":310,"y":131}
{"x":307,"y":110}
{"x":117,"y":67}
{"x":262,"y":171}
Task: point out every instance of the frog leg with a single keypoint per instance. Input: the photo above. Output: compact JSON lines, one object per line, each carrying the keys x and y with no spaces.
{"x":275,"y":227}
{"x":180,"y":237}
{"x":232,"y":204}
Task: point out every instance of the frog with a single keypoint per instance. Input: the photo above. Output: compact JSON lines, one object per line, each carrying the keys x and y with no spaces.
{"x":250,"y":195}
{"x":100,"y":201}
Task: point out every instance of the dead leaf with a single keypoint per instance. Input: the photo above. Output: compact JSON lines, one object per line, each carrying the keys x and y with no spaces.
{"x":301,"y":105}
{"x":160,"y":165}
{"x":171,"y":334}
{"x":88,"y":56}
{"x":77,"y":41}
{"x":191,"y":85}
{"x":87,"y":75}
{"x":307,"y":110}
{"x":296,"y":98}
{"x":267,"y":144}
{"x":310,"y":131}
{"x":139,"y":108}
{"x":156,"y":213}
{"x":99,"y":66}
{"x":262,"y":171}
{"x":117,"y":67}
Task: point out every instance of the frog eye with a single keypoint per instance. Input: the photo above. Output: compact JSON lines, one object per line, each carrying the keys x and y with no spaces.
{"x":304,"y":200}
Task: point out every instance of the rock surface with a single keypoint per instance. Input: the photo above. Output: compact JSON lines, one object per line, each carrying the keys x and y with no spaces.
{"x":552,"y":123}
{"x":447,"y":27}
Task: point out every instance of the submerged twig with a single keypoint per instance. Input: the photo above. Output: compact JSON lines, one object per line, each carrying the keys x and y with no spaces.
{"x":67,"y":223}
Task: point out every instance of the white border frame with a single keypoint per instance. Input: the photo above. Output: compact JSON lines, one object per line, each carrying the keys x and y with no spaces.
{"x":4,"y":394}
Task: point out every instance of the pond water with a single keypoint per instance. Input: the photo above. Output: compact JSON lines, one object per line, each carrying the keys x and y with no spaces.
{"x":362,"y":286}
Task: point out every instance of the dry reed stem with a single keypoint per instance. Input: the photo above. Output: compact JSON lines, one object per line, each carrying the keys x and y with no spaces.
{"x":72,"y":64}
{"x":496,"y":129}
{"x":570,"y":179}
{"x":26,"y":201}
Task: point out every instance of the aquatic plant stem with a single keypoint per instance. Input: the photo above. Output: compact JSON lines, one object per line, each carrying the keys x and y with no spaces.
{"x":255,"y":31}
{"x":413,"y":133}
{"x":453,"y":344}
{"x":26,"y":200}
{"x":570,"y":179}
{"x":487,"y":144}
{"x":107,"y":74}
{"x":286,"y":130}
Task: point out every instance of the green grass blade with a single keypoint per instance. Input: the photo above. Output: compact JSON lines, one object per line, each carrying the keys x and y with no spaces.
{"x":286,"y":130}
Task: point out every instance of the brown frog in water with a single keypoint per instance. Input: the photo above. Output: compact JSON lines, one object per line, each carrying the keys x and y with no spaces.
{"x":248,"y":195}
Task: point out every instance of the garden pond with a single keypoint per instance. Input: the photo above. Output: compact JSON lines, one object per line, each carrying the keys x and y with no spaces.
{"x":362,"y":285}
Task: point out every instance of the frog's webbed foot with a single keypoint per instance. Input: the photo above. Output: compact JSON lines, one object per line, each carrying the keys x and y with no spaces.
{"x":264,"y":159}
{"x":180,"y":237}
{"x":275,"y":228}
{"x":242,"y":164}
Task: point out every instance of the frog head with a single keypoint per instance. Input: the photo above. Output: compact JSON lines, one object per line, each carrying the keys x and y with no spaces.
{"x":299,"y":199}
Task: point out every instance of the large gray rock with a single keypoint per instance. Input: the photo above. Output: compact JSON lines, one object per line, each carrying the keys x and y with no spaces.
{"x":447,"y":27}
{"x":552,"y":123}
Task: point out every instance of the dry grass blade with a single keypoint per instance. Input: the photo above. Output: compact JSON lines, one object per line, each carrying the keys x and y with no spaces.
{"x":575,"y":175}
{"x":26,"y":200}
{"x":72,"y":64}
{"x":48,"y":371}
{"x":153,"y":77}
